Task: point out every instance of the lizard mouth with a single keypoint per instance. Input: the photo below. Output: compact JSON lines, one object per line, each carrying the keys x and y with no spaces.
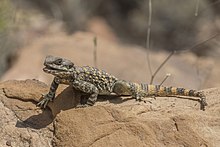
{"x":50,"y":69}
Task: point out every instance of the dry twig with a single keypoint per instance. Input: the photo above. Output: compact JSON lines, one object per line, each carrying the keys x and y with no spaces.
{"x":95,"y":51}
{"x":148,"y":36}
{"x":161,"y":65}
{"x":197,"y":8}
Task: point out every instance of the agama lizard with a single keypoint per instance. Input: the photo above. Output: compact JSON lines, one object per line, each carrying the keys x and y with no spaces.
{"x":94,"y":82}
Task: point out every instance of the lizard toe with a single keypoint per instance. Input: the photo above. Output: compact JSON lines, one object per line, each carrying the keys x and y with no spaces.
{"x":43,"y":103}
{"x":82,"y":105}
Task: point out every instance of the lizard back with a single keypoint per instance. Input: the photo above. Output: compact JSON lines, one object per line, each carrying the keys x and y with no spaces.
{"x":99,"y":78}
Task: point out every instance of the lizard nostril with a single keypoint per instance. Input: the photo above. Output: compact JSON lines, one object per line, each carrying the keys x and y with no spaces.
{"x":48,"y":59}
{"x":70,"y":66}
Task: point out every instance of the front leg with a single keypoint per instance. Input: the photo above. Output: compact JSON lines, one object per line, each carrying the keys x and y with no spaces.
{"x":87,"y":88}
{"x":51,"y":94}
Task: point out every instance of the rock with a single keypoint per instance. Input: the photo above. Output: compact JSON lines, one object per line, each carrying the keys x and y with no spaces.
{"x":22,"y":124}
{"x":113,"y":121}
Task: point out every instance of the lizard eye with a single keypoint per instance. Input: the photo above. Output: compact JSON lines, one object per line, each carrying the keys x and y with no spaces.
{"x":59,"y":61}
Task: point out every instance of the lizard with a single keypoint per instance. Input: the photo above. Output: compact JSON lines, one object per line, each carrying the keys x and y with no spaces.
{"x":94,"y":82}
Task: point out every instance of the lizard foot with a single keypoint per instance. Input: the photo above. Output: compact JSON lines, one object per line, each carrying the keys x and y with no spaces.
{"x":43,"y":103}
{"x":203,"y":103}
{"x":139,"y":99}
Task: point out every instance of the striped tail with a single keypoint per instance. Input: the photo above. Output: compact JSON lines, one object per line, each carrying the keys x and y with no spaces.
{"x":143,"y":90}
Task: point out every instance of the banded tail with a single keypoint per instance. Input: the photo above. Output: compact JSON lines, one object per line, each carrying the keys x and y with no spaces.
{"x":139,"y":91}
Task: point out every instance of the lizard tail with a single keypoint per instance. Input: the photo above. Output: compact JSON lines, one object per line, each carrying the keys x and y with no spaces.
{"x":157,"y":90}
{"x":139,"y":91}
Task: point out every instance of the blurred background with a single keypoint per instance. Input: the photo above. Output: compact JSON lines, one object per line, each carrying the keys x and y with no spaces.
{"x":68,"y":27}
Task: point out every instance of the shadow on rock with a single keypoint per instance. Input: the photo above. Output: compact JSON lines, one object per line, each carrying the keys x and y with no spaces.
{"x":67,"y":99}
{"x":39,"y":121}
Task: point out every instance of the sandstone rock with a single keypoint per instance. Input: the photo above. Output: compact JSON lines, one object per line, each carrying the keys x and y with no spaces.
{"x":113,"y":121}
{"x":22,"y":124}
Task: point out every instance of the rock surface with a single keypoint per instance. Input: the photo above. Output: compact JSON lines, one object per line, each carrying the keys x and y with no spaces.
{"x":113,"y":121}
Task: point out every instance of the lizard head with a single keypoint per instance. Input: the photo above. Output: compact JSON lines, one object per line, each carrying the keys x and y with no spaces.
{"x":58,"y":66}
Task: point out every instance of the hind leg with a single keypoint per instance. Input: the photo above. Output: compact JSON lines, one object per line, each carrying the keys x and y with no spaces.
{"x":87,"y":88}
{"x":126,"y":89}
{"x":122,"y":88}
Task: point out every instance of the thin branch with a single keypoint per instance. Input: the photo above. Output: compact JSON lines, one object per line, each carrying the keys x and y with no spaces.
{"x":197,"y":7}
{"x":167,"y":76}
{"x":185,"y":50}
{"x":161,"y":65}
{"x":95,"y":51}
{"x":149,"y":25}
{"x":192,"y":47}
{"x":148,"y":36}
{"x":199,"y":44}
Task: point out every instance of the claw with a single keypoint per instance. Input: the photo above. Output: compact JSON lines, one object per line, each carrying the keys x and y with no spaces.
{"x":139,"y":99}
{"x":43,"y":103}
